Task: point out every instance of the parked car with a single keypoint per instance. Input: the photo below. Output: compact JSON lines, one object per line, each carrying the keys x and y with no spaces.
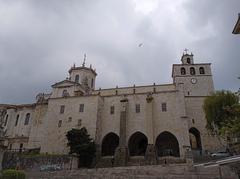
{"x":220,"y":154}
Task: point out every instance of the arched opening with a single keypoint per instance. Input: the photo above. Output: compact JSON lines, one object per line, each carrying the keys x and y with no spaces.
{"x":27,"y":118}
{"x":192,"y":71}
{"x":167,"y":145}
{"x":195,"y":139}
{"x":109,"y":144}
{"x":201,"y":70}
{"x":77,"y":78}
{"x":137,"y":144}
{"x":188,"y":60}
{"x":183,"y":71}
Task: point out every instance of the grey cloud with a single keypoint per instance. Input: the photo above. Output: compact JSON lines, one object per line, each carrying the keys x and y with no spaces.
{"x":40,"y":40}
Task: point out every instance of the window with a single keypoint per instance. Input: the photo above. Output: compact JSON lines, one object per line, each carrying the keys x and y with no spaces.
{"x":192,"y":71}
{"x":81,"y":108}
{"x":188,"y":60}
{"x":62,"y":108}
{"x":183,"y":71}
{"x":77,"y":78}
{"x":27,"y":118}
{"x":92,"y":83}
{"x":164,"y":107}
{"x":59,"y":123}
{"x":6,"y":120}
{"x":79,"y":122}
{"x":137,"y":108}
{"x":112,"y":110}
{"x":10,"y":146}
{"x":65,"y":93}
{"x":20,"y":147}
{"x":201,"y":70}
{"x":16,"y":123}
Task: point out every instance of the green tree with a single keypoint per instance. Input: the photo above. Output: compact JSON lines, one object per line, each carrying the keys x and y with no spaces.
{"x":81,"y":144}
{"x":222,"y":112}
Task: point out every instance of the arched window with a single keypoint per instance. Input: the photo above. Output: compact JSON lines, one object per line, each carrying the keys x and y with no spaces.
{"x":92,"y":83}
{"x":6,"y":120}
{"x":64,"y":93}
{"x":77,"y":78}
{"x":16,"y":122}
{"x":192,"y":71}
{"x":183,"y":71}
{"x":201,"y":70}
{"x":188,"y":60}
{"x":27,"y":118}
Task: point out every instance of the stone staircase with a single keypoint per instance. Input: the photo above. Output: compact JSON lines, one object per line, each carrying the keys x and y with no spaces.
{"x":175,"y":171}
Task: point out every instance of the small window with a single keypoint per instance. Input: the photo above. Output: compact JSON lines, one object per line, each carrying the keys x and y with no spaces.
{"x":6,"y":120}
{"x":70,"y":119}
{"x":16,"y":123}
{"x":10,"y":146}
{"x":27,"y":118}
{"x":59,"y":123}
{"x":77,"y":78}
{"x":183,"y":71}
{"x":81,"y":108}
{"x":192,"y":71}
{"x":137,"y":108}
{"x":79,"y":122}
{"x":201,"y":70}
{"x":65,"y":93}
{"x":112,"y":110}
{"x":92,"y":83}
{"x":21,"y":147}
{"x":62,"y":108}
{"x":188,"y":60}
{"x":164,"y":107}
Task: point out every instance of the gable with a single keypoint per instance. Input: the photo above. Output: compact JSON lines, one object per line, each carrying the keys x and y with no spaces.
{"x":64,"y":84}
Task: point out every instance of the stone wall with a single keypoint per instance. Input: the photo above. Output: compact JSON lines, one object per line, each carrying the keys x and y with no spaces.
{"x":38,"y":162}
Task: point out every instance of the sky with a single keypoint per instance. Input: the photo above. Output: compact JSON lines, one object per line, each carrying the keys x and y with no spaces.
{"x":41,"y":40}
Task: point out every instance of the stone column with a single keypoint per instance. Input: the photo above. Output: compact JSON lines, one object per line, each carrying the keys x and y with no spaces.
{"x":150,"y":155}
{"x":121,"y":153}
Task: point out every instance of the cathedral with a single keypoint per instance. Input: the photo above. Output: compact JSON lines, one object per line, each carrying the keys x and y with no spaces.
{"x":144,"y":123}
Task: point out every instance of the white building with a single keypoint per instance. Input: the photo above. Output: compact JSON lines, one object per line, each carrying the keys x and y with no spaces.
{"x":144,"y":121}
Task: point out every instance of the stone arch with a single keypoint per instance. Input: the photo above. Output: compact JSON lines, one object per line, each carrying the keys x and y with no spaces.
{"x":195,"y":139}
{"x":137,"y":144}
{"x":167,"y":145}
{"x":109,"y":143}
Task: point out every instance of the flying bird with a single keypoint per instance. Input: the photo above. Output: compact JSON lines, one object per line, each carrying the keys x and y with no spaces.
{"x":140,"y":45}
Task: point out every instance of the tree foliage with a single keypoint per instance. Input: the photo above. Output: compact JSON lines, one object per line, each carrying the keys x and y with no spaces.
{"x":222,"y":112}
{"x":81,"y":144}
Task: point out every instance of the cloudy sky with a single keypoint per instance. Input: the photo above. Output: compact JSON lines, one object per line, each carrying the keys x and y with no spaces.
{"x":40,"y":41}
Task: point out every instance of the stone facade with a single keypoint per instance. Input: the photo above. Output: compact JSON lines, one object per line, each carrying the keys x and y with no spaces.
{"x":152,"y":121}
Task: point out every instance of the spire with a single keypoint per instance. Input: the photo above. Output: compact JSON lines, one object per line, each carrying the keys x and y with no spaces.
{"x":84,"y":60}
{"x":186,"y":51}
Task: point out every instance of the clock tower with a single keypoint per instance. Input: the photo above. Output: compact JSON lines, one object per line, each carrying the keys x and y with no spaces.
{"x":196,"y":77}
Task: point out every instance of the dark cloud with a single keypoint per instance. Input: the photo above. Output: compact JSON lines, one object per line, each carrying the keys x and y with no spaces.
{"x":40,"y":40}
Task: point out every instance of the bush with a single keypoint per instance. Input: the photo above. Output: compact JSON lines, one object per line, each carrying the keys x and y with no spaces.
{"x":12,"y":174}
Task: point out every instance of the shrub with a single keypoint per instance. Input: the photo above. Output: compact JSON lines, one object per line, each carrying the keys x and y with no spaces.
{"x":12,"y":174}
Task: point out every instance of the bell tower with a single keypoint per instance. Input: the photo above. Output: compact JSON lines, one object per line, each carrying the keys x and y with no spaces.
{"x":83,"y":75}
{"x":196,"y":77}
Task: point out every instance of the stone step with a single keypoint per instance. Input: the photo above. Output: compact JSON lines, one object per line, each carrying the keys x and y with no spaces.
{"x":139,"y":172}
